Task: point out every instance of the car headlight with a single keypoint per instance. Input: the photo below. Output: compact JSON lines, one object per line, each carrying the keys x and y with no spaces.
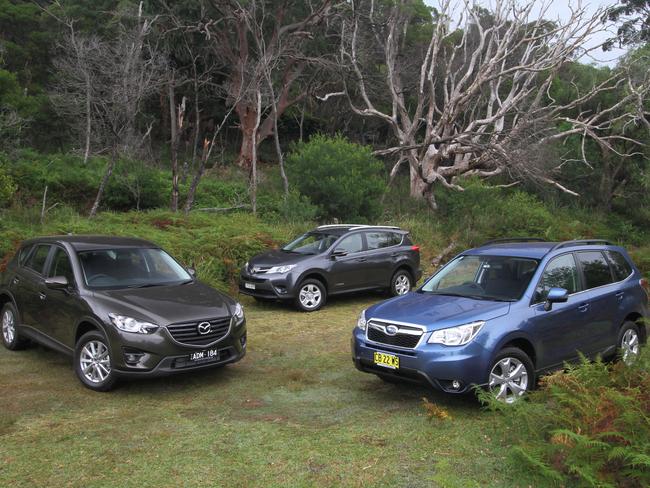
{"x":456,"y":336}
{"x":281,"y":269}
{"x":129,"y":324}
{"x":238,"y":314}
{"x":361,"y":322}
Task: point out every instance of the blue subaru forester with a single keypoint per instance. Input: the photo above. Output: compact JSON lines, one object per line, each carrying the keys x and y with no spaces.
{"x":499,"y":315}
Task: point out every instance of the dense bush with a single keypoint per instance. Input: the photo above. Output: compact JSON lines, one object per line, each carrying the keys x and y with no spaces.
{"x":344,"y":180}
{"x":588,"y":426}
{"x":275,"y":207}
{"x":7,"y":187}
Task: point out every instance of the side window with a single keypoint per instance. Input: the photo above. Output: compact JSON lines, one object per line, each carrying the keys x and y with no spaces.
{"x":351,"y":243}
{"x":560,"y":272}
{"x":378,"y":240}
{"x":620,"y":266}
{"x":594,"y":268}
{"x":23,"y":253}
{"x":37,"y":258}
{"x":61,"y":266}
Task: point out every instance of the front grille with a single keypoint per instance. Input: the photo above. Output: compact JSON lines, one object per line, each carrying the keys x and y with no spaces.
{"x":188,"y":333}
{"x":401,"y":339}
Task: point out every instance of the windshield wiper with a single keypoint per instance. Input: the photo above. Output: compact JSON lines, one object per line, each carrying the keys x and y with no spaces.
{"x":145,"y":285}
{"x":473,"y":297}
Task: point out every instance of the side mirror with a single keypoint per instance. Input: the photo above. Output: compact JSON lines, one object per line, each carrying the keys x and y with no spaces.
{"x":57,"y":283}
{"x":192,"y":272}
{"x":555,"y":295}
{"x":339,"y":253}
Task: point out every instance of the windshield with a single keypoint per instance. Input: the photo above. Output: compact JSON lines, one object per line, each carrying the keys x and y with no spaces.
{"x":130,"y":268}
{"x":311,"y":243}
{"x":500,"y":278}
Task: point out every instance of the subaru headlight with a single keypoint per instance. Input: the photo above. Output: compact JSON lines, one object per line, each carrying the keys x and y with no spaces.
{"x":456,"y":336}
{"x":129,"y":324}
{"x":361,"y":322}
{"x":281,"y":269}
{"x":238,"y":314}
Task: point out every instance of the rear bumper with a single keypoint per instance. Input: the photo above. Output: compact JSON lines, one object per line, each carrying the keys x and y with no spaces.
{"x":432,"y":364}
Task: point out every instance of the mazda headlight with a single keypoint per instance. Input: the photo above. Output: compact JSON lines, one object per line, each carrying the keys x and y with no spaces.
{"x":129,"y":324}
{"x":456,"y":336}
{"x":238,"y":314}
{"x":281,"y":269}
{"x":361,"y":321}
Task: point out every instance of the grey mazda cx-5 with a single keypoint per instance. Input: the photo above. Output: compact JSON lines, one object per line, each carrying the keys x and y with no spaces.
{"x":331,"y":260}
{"x":119,"y":306}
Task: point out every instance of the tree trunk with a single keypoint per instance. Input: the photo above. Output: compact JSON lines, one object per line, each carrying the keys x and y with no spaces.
{"x":173,"y":146}
{"x":191,"y":194}
{"x":88,"y":118}
{"x":102,"y":185}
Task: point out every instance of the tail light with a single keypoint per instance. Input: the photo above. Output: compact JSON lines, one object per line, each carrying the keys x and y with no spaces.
{"x":415,"y":248}
{"x":644,"y":284}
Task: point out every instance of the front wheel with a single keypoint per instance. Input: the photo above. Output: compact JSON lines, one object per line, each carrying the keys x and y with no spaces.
{"x":401,"y":283}
{"x":311,"y":296}
{"x":10,"y":337}
{"x":512,"y":374}
{"x":93,"y":363}
{"x":628,"y":343}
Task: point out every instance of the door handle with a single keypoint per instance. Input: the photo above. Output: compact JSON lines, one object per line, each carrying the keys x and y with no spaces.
{"x":583,"y":308}
{"x":42,"y":296}
{"x":394,"y":255}
{"x":16,"y":280}
{"x":361,"y":260}
{"x":620,"y":295}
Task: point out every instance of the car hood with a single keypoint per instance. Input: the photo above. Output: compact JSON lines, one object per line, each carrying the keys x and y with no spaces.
{"x":166,"y":305}
{"x":277,"y":258}
{"x":436,"y":311}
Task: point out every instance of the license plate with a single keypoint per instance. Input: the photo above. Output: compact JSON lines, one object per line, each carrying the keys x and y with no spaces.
{"x":386,"y":360}
{"x":250,"y":286}
{"x":205,"y":355}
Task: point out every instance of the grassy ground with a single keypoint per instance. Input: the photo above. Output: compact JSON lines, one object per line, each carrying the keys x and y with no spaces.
{"x":294,"y":412}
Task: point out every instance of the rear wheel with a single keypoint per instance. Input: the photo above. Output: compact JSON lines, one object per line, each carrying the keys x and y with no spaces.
{"x":311,"y":295}
{"x":512,"y":374}
{"x":93,"y":363}
{"x":10,"y":336}
{"x":401,"y":283}
{"x":629,"y":343}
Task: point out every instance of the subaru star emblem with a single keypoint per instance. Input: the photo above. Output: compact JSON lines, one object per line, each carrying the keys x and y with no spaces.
{"x":392,"y":330}
{"x":204,"y":328}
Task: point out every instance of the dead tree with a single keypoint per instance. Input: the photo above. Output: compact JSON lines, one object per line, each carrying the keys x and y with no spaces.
{"x":474,"y":99}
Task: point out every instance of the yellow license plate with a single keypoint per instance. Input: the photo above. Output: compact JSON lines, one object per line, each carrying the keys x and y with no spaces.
{"x":386,"y":360}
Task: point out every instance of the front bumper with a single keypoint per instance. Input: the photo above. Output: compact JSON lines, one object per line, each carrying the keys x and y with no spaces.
{"x":276,"y":286}
{"x":432,"y":364}
{"x":159,"y":355}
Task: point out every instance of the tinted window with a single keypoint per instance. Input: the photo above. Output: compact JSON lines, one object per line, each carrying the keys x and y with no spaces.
{"x":61,"y":266}
{"x":351,"y":243}
{"x":311,"y":243}
{"x":378,"y":240}
{"x":595,"y":269}
{"x":620,"y":266}
{"x":37,"y":258}
{"x":24,"y":253}
{"x":561,"y":272}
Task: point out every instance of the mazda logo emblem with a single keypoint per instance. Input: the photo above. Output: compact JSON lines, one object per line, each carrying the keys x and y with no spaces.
{"x":204,"y":328}
{"x":392,"y":330}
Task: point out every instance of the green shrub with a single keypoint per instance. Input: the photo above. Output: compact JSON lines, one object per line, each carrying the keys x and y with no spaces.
{"x":588,"y":426}
{"x":7,"y":187}
{"x":344,"y":180}
{"x":275,"y":207}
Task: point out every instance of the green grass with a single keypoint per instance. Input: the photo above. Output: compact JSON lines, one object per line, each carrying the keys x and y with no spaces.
{"x":294,"y":412}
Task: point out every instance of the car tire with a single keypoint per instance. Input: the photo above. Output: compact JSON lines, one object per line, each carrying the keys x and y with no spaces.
{"x":506,"y":381}
{"x":9,"y":322}
{"x":401,"y":283}
{"x":629,"y":342}
{"x":92,"y":362}
{"x":311,"y":295}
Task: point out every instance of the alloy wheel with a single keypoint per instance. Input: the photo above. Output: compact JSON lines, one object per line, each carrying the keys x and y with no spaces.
{"x":402,"y":284}
{"x":95,"y":361}
{"x":310,"y":296}
{"x":508,"y":379}
{"x":630,"y":346}
{"x":8,"y":327}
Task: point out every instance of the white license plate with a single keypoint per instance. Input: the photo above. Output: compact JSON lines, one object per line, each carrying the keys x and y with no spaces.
{"x":250,"y":286}
{"x":205,"y":355}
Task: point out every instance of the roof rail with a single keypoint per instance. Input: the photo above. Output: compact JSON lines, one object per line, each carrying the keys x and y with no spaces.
{"x":513,"y":239}
{"x":356,"y":226}
{"x":581,"y":242}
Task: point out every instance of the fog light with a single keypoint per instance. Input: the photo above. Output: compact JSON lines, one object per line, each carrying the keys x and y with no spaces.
{"x":455,"y":385}
{"x":242,"y":340}
{"x":282,"y":290}
{"x":133,"y":357}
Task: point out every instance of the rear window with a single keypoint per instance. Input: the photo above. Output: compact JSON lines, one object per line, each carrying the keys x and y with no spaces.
{"x":620,"y":266}
{"x":23,"y":253}
{"x":37,"y":258}
{"x":595,"y":269}
{"x":378,"y":240}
